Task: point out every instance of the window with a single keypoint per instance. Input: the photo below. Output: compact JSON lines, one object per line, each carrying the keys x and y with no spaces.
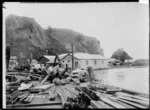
{"x":68,"y":61}
{"x":95,"y":62}
{"x":63,"y":61}
{"x":86,"y":62}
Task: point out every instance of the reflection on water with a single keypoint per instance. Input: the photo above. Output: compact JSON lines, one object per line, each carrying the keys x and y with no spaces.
{"x":130,"y":78}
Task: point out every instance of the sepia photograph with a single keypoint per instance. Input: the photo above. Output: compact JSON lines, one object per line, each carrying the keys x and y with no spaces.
{"x":88,"y":55}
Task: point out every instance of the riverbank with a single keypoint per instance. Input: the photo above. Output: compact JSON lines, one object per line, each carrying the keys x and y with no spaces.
{"x":118,"y":67}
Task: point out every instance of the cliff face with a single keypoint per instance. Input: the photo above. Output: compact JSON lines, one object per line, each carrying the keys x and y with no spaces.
{"x":27,"y":36}
{"x":81,"y":42}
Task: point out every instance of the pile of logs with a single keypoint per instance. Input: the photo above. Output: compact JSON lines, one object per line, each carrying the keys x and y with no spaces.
{"x":19,"y":96}
{"x":118,"y":98}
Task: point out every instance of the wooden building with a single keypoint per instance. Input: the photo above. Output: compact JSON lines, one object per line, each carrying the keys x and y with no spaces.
{"x":47,"y":59}
{"x":83,"y":60}
{"x":13,"y":62}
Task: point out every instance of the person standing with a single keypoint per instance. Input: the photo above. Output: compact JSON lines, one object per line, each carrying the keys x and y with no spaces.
{"x":8,"y":52}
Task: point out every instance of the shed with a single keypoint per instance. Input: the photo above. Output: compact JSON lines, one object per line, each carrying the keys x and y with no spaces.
{"x":47,"y":59}
{"x":83,"y":60}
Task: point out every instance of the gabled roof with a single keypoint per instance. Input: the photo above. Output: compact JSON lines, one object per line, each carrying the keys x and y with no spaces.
{"x":88,"y":56}
{"x":49,"y":57}
{"x":61,"y":56}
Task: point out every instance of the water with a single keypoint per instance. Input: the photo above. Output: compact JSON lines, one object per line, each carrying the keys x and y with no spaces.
{"x":136,"y":79}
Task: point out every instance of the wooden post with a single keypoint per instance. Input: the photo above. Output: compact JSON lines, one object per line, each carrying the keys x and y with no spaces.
{"x":66,"y":67}
{"x":8,"y":52}
{"x":55,"y":61}
{"x":31,"y":61}
{"x":91,"y":73}
{"x":72,"y":58}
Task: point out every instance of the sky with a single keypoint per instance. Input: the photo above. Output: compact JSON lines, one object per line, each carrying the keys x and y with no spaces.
{"x":115,"y":25}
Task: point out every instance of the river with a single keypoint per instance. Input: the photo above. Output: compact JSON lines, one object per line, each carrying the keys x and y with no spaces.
{"x":132,"y":78}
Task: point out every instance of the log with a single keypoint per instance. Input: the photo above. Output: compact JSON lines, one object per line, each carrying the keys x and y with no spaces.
{"x":72,"y":93}
{"x":32,"y":105}
{"x":13,"y":94}
{"x":136,"y":93}
{"x":96,"y":105}
{"x":63,"y":100}
{"x":113,"y":90}
{"x":114,"y":104}
{"x":124,"y":104}
{"x":136,"y":101}
{"x":36,"y":90}
{"x":104,"y":105}
{"x":24,"y":97}
{"x":133,"y":96}
{"x":26,"y":100}
{"x":131,"y":103}
{"x":101,"y":95}
{"x":31,"y":98}
{"x":16,"y":94}
{"x":44,"y":80}
{"x":15,"y":99}
{"x":66,"y":92}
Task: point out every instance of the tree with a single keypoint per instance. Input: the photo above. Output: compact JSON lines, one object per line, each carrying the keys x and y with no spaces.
{"x":121,"y":55}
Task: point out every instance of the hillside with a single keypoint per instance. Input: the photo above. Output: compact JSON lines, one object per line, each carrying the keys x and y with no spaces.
{"x":27,"y":36}
{"x":81,"y":42}
{"x":141,"y":62}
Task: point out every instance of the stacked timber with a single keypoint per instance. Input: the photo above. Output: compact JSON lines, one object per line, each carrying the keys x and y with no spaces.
{"x":118,"y":98}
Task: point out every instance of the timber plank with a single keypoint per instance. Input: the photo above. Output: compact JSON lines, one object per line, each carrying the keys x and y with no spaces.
{"x":135,"y":100}
{"x":104,"y":104}
{"x":131,"y":103}
{"x":124,"y":104}
{"x":133,"y":96}
{"x":114,"y":104}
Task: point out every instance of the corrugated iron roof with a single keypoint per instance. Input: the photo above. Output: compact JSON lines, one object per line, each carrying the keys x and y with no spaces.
{"x":49,"y":57}
{"x":88,"y":56}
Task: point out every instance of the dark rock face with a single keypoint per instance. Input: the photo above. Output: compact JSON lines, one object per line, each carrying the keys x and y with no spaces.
{"x":27,"y":36}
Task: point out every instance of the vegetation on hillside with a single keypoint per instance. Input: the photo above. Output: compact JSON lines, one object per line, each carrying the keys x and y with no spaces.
{"x":27,"y":36}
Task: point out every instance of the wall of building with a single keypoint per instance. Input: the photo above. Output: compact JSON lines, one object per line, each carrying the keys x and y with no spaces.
{"x":94,"y":63}
{"x":13,"y":63}
{"x":68,"y":60}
